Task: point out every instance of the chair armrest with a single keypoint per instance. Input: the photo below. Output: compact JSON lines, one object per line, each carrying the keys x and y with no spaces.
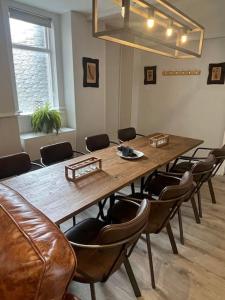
{"x":106,"y":246}
{"x":115,"y":143}
{"x":191,"y":158}
{"x":202,"y":148}
{"x":41,"y":165}
{"x":186,"y":158}
{"x":171,"y":175}
{"x":79,"y":152}
{"x":138,"y":134}
{"x":123,"y":197}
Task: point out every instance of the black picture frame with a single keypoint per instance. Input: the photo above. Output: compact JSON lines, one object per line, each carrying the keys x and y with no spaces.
{"x":91,"y":72}
{"x":150,"y":75}
{"x":216,"y":74}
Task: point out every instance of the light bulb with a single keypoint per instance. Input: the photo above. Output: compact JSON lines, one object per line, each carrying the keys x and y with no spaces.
{"x":151,"y":19}
{"x":150,"y":22}
{"x":184,"y":35}
{"x":184,"y":38}
{"x":169,"y":31}
{"x":123,"y":11}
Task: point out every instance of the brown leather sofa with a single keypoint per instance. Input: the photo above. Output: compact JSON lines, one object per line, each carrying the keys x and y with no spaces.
{"x":36,"y":260}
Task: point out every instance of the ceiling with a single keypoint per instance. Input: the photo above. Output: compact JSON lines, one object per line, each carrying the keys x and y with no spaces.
{"x":208,"y":13}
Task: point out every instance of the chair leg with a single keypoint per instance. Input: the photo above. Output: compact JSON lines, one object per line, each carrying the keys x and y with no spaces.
{"x":194,"y":206}
{"x":101,"y":207}
{"x":132,"y":278}
{"x":92,"y":288}
{"x":132,"y":188}
{"x":148,"y":240}
{"x":211,"y":189}
{"x":199,"y":204}
{"x":171,"y":237}
{"x":74,"y":221}
{"x":181,"y":226}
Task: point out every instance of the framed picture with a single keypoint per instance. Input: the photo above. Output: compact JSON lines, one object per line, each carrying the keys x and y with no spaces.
{"x":91,"y":72}
{"x":216,"y":74}
{"x":150,"y":75}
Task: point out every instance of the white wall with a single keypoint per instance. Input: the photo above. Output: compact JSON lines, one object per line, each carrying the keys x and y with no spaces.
{"x":183,"y":105}
{"x":9,"y":130}
{"x":89,"y":102}
{"x":95,"y":110}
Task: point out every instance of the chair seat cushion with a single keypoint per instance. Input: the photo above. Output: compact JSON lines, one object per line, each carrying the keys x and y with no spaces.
{"x":85,"y":232}
{"x":182,"y":167}
{"x":158,"y":183}
{"x":122,"y":211}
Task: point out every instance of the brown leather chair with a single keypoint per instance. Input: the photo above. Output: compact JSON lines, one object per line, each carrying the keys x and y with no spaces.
{"x":55,"y":153}
{"x":16,"y":164}
{"x":201,"y":171}
{"x":101,"y":249}
{"x":187,"y":163}
{"x":98,"y":142}
{"x":36,"y":260}
{"x":161,"y":212}
{"x":127,"y":134}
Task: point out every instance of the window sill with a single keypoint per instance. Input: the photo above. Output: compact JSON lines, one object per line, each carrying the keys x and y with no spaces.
{"x":33,"y":135}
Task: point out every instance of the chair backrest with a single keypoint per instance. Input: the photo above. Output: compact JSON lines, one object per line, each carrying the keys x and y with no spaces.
{"x":170,"y":199}
{"x":55,"y":153}
{"x":126,"y":234}
{"x":36,"y":260}
{"x":126,"y":134}
{"x":97,"y":142}
{"x":15,"y":164}
{"x":219,"y":154}
{"x":202,"y":170}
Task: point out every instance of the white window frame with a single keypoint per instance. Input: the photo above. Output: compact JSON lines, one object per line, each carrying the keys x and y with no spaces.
{"x":54,"y":40}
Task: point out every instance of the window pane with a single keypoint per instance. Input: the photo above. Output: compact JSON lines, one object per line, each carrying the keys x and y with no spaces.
{"x":28,"y":34}
{"x":33,"y":79}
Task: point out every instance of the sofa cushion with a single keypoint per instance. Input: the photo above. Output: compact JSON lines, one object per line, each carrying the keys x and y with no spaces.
{"x":36,"y":260}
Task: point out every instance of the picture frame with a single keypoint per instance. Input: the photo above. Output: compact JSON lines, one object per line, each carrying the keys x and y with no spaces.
{"x":91,"y":72}
{"x":150,"y":76}
{"x":216,"y":74}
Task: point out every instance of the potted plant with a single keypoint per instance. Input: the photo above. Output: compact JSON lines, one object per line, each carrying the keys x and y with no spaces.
{"x":45,"y":119}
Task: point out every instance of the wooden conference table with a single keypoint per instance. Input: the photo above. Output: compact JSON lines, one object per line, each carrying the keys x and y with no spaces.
{"x":49,"y":191}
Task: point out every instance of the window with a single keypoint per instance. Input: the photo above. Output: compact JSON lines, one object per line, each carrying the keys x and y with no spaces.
{"x":32,"y":56}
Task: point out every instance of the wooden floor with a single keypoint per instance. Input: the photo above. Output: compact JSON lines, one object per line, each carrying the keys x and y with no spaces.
{"x":197,"y":273}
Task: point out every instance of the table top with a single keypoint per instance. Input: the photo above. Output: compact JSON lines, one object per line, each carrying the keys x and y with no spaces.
{"x":50,"y":191}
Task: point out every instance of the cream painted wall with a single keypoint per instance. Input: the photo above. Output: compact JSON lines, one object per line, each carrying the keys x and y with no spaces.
{"x":9,"y":130}
{"x":183,"y":105}
{"x":112,"y":89}
{"x":119,"y":80}
{"x":95,"y":110}
{"x":89,"y":102}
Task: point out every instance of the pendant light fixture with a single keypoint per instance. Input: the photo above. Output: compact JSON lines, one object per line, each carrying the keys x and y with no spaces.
{"x":175,"y":34}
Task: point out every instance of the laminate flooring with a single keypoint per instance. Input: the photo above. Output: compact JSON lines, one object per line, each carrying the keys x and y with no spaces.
{"x":197,"y":273}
